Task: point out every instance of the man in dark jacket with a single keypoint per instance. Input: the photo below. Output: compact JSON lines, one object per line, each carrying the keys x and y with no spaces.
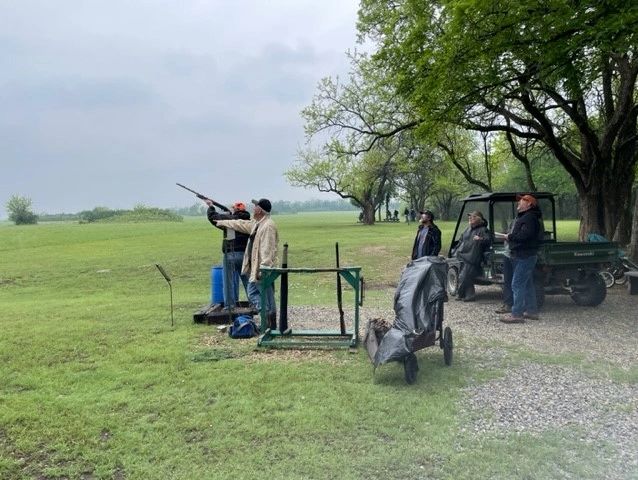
{"x":474,"y":241}
{"x":524,"y":240}
{"x":427,"y":242}
{"x":233,"y":248}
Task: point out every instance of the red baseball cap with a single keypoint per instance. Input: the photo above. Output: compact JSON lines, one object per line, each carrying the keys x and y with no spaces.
{"x":528,"y":198}
{"x":239,"y":206}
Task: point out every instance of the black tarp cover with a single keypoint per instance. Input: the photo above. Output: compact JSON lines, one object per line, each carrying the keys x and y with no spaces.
{"x":421,"y":286}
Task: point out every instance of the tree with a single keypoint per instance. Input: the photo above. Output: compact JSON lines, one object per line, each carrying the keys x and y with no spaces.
{"x":19,"y":209}
{"x":562,"y":74}
{"x":362,"y":179}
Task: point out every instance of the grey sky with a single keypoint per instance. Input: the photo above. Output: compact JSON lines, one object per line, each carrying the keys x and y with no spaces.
{"x":109,"y":103}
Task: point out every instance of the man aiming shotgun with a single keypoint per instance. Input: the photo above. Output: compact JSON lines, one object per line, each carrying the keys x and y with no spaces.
{"x":233,"y":246}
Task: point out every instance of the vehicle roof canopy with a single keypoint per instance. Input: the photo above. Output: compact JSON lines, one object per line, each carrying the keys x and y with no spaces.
{"x":504,"y":196}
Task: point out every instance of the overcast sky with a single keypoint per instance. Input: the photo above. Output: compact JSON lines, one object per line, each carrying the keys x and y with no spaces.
{"x":109,"y":103}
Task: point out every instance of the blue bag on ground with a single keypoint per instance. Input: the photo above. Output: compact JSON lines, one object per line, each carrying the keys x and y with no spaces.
{"x":243,"y":327}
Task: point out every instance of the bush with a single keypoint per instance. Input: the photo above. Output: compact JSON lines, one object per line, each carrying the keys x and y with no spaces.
{"x":140,"y":213}
{"x":20,"y":212}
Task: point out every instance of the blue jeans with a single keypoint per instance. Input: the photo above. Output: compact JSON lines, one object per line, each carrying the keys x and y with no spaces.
{"x":254,"y":296}
{"x":508,"y":298}
{"x":232,"y":274}
{"x":523,"y":289}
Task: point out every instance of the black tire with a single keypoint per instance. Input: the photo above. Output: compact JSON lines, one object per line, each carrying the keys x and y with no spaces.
{"x":453,"y":281}
{"x":594,"y":294}
{"x":411,"y":367}
{"x":607,"y":277}
{"x":619,"y":276}
{"x":448,"y":346}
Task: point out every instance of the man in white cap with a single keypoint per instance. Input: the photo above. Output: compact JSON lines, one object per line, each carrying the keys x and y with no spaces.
{"x":261,"y":251}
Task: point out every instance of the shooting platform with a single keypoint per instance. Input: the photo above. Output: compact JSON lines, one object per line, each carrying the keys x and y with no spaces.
{"x":291,"y":338}
{"x":215,"y":313}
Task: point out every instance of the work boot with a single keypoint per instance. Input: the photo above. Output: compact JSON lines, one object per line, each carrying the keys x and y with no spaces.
{"x":512,"y":319}
{"x":505,"y":308}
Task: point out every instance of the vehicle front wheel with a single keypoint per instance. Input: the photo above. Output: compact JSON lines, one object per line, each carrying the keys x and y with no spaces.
{"x":592,"y":291}
{"x":453,"y":281}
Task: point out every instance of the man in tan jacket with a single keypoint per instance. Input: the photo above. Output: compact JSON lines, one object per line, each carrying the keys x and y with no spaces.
{"x":261,"y":251}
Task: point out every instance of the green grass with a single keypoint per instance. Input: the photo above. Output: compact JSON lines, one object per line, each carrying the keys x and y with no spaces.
{"x":96,"y":384}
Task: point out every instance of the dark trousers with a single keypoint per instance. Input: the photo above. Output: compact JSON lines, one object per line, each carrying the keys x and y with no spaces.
{"x":466,"y":279}
{"x":508,"y":271}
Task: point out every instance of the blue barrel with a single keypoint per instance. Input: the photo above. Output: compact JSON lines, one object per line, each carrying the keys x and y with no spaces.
{"x":217,"y":284}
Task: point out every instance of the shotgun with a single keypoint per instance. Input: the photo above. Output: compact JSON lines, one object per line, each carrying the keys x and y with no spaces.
{"x":342,"y":323}
{"x":202,"y":197}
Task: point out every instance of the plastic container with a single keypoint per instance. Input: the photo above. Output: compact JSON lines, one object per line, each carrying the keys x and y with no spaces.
{"x":217,"y":284}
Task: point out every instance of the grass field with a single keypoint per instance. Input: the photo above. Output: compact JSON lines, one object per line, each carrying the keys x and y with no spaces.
{"x":96,"y":384}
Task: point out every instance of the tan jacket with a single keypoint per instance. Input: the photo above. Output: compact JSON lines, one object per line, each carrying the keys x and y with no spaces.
{"x":264,"y":244}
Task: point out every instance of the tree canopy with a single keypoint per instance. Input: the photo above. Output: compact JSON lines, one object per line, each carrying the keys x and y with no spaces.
{"x":556,"y":73}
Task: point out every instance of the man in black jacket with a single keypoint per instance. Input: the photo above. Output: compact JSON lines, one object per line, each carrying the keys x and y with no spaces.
{"x":474,"y":241}
{"x":233,"y":248}
{"x":427,"y":242}
{"x":524,"y":240}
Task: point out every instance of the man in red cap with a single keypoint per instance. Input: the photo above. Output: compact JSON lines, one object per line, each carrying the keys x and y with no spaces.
{"x":233,"y":247}
{"x":523,"y":241}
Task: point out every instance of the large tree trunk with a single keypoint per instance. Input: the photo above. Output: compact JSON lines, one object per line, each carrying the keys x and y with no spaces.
{"x":632,"y":251}
{"x":604,"y":207}
{"x":368,"y":212}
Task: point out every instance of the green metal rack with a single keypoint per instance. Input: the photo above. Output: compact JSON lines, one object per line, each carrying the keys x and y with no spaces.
{"x":292,"y":338}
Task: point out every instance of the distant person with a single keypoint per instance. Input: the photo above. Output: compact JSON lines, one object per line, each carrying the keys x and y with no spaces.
{"x":233,"y":247}
{"x":413,"y":215}
{"x":474,"y":241}
{"x":427,"y":242}
{"x":524,"y":240}
{"x":395,"y":216}
{"x":261,"y":251}
{"x":406,"y":214}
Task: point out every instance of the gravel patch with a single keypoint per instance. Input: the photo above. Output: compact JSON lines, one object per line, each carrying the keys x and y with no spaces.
{"x":608,"y":332}
{"x":533,"y":398}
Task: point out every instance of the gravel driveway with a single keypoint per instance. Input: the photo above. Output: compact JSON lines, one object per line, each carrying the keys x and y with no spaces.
{"x":534,"y":397}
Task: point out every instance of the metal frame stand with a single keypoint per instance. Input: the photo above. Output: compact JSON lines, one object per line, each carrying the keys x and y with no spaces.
{"x":291,"y":338}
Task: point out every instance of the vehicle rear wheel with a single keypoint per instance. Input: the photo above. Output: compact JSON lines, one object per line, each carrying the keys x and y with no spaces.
{"x":448,"y":346}
{"x":593,"y":293}
{"x":453,"y":281}
{"x":607,"y":277}
{"x":411,"y":367}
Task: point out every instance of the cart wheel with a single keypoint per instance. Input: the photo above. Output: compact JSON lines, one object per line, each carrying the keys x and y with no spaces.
{"x":411,"y":367}
{"x":448,"y":345}
{"x":607,"y":277}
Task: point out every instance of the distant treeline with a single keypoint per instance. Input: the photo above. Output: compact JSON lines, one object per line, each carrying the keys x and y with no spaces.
{"x":282,"y":207}
{"x":142,"y":213}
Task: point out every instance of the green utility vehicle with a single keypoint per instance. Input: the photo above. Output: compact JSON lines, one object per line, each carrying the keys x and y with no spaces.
{"x":562,"y":268}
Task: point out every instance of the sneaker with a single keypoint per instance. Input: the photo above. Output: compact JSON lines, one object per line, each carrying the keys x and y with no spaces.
{"x":505,"y":308}
{"x":512,"y":319}
{"x":531,"y":316}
